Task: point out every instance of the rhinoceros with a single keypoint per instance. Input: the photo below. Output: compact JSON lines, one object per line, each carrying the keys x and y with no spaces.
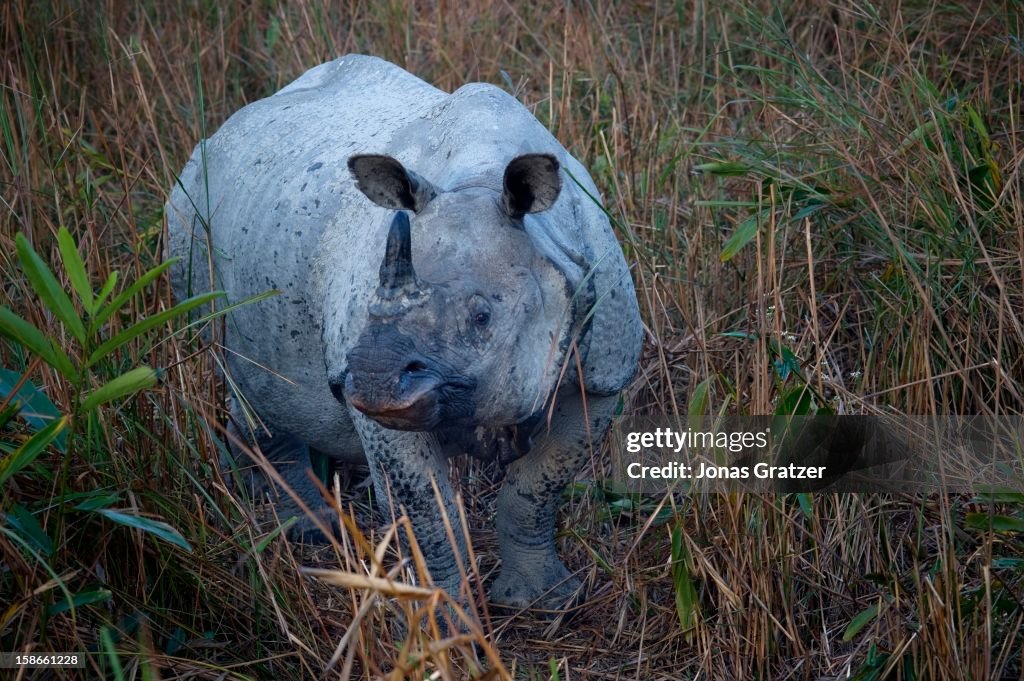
{"x":448,"y":282}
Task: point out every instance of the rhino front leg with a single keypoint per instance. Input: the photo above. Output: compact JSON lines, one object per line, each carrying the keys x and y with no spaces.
{"x":402,"y":466}
{"x":531,"y":571}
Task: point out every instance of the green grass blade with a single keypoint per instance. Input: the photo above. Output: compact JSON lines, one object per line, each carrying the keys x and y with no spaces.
{"x":157,"y":528}
{"x":129,"y":293}
{"x":861,"y":620}
{"x":78,"y":600}
{"x":745,"y":232}
{"x":17,"y":329}
{"x":32,"y":403}
{"x":686,"y":594}
{"x":75,"y":268}
{"x":698,"y":403}
{"x":262,"y":544}
{"x":108,"y":287}
{"x":35,"y":407}
{"x":127,"y":383}
{"x":110,"y":650}
{"x":133,"y":332}
{"x":725,"y":168}
{"x":23,"y":522}
{"x":27,"y":453}
{"x":48,"y":288}
{"x":995,"y":523}
{"x":8,"y":413}
{"x":93,"y":500}
{"x":259,"y":297}
{"x":806,"y":502}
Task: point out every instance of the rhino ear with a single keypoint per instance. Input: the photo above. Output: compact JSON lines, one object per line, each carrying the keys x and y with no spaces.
{"x":532,"y":184}
{"x":387,"y":183}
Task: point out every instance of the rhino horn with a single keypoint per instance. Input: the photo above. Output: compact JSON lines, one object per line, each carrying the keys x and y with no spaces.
{"x":397,"y":276}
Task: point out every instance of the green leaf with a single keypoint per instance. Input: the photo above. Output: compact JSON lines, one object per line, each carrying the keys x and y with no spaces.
{"x":26,"y":525}
{"x":126,"y":384}
{"x":78,"y":600}
{"x":697,"y":408}
{"x":739,"y":334}
{"x":176,"y":642}
{"x":145,"y":325}
{"x":724,"y":168}
{"x":47,"y":288}
{"x":918,"y":134}
{"x":259,"y":297}
{"x":157,"y":528}
{"x":786,"y":362}
{"x":979,"y":127}
{"x":273,"y":33}
{"x":686,"y":594}
{"x":30,"y":451}
{"x":6,"y":414}
{"x":321,"y":465}
{"x":95,"y":500}
{"x":262,"y":544}
{"x":17,"y":329}
{"x":129,"y":293}
{"x":35,"y":407}
{"x":806,"y":502}
{"x":1008,"y":564}
{"x":552,"y":662}
{"x":807,"y":211}
{"x":860,"y":621}
{"x":108,"y":287}
{"x":996,"y":523}
{"x":75,"y":268}
{"x":110,"y":650}
{"x":797,"y":401}
{"x":998,"y":496}
{"x":744,"y":233}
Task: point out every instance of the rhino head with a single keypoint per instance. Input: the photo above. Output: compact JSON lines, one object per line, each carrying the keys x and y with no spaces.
{"x":476,"y":332}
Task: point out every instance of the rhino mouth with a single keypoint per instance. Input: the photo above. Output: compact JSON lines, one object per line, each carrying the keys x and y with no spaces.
{"x":391,"y":381}
{"x":420,"y":403}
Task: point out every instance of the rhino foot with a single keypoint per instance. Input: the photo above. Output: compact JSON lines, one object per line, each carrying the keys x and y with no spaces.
{"x":547,"y":585}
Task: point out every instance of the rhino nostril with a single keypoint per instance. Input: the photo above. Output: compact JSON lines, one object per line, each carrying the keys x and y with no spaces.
{"x":337,"y":389}
{"x":414,"y":367}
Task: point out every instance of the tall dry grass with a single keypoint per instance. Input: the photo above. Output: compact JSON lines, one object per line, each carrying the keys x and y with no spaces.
{"x":823,"y":205}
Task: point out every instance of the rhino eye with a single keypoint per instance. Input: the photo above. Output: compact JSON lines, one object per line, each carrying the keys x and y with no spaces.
{"x":480,"y":312}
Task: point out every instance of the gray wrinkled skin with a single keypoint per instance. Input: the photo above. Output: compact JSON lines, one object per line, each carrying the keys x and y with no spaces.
{"x":509,"y":272}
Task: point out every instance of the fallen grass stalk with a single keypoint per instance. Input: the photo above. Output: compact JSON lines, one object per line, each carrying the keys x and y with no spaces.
{"x":382,"y":585}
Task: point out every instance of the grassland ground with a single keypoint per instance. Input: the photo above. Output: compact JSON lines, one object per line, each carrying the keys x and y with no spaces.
{"x":822,"y":206}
